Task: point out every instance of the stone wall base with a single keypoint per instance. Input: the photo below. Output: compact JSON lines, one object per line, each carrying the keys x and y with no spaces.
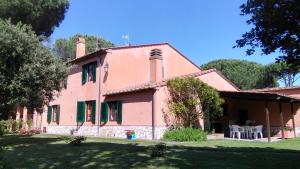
{"x":142,"y":132}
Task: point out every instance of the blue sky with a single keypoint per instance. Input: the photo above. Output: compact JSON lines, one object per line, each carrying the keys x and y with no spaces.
{"x":202,"y":30}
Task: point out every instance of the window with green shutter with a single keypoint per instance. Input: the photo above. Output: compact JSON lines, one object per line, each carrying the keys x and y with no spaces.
{"x":93,"y":111}
{"x":104,"y":112}
{"x":89,"y":72}
{"x":80,"y":111}
{"x":49,"y":114}
{"x":119,"y":112}
{"x":84,"y":74}
{"x":57,"y":114}
{"x":93,"y":71}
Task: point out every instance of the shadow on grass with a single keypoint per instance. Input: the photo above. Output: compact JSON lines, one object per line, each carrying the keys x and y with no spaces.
{"x":31,"y":152}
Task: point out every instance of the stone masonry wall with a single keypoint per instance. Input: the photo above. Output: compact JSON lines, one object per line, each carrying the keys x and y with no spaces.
{"x":142,"y":132}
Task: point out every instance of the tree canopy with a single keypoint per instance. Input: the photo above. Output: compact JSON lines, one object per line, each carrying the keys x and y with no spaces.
{"x":276,"y":28}
{"x":66,"y":48}
{"x":244,"y":74}
{"x":29,"y":73}
{"x":283,"y":73}
{"x":191,"y":99}
{"x":42,"y":15}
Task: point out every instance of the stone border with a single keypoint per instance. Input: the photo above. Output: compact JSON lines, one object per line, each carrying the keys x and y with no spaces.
{"x":142,"y":132}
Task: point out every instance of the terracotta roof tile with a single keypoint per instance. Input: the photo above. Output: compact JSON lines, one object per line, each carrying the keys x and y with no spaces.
{"x":152,"y":85}
{"x":275,"y":89}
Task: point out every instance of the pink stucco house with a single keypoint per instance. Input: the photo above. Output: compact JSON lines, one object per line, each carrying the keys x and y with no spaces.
{"x":116,"y":89}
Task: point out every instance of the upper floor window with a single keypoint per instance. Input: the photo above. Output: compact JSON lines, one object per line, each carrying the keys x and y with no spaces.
{"x":89,"y":72}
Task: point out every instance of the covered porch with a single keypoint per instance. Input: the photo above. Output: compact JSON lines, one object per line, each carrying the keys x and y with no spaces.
{"x":274,"y":112}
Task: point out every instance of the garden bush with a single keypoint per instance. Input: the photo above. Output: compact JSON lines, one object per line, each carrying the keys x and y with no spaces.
{"x":185,"y":134}
{"x":159,"y":150}
{"x":74,"y":140}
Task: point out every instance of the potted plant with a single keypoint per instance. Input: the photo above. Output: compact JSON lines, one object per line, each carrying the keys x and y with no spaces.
{"x":288,"y":132}
{"x":130,"y":134}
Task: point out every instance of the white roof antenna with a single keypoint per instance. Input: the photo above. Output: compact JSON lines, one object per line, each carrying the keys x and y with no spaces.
{"x":126,"y":37}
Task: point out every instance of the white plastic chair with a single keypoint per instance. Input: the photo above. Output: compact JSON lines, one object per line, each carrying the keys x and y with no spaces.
{"x":237,"y":130}
{"x":230,"y":131}
{"x":257,"y":130}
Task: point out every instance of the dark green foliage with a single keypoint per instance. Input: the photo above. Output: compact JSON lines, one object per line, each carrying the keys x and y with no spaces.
{"x":185,"y":134}
{"x":42,"y":15}
{"x":158,"y":150}
{"x":74,"y":140}
{"x":191,"y":99}
{"x":276,"y":28}
{"x":244,"y":74}
{"x":287,"y":74}
{"x":66,"y":48}
{"x":29,"y":73}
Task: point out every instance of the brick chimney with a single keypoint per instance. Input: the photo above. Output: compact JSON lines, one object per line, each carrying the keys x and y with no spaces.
{"x":80,"y":47}
{"x":156,"y":65}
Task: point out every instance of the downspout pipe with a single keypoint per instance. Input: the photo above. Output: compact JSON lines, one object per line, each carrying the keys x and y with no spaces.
{"x":99,"y":97}
{"x":153,"y":114}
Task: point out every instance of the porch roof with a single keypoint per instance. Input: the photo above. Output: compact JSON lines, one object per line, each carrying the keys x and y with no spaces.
{"x":257,"y":95}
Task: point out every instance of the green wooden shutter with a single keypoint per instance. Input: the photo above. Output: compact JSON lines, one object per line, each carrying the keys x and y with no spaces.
{"x":93,"y":111}
{"x":49,"y":115}
{"x":104,"y":112}
{"x":119,"y":112}
{"x":57,"y":114}
{"x":94,"y":65}
{"x":84,"y":74}
{"x":80,"y":111}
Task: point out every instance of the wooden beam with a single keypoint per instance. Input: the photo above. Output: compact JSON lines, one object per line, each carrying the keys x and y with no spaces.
{"x":268,"y":121}
{"x":293,"y":119}
{"x":281,"y":120}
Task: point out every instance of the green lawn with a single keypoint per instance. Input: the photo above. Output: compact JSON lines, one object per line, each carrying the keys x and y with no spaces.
{"x":48,"y":151}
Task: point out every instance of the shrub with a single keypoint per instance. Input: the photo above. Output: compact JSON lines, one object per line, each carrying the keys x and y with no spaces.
{"x":74,"y":140}
{"x":31,"y":132}
{"x":3,"y":127}
{"x":185,"y":134}
{"x":159,"y":150}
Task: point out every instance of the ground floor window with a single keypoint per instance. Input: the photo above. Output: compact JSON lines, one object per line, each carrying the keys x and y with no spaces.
{"x":86,"y":111}
{"x":53,"y":114}
{"x":111,"y":111}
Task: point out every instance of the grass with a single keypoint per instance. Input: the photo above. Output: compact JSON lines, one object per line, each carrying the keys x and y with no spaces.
{"x":48,"y":151}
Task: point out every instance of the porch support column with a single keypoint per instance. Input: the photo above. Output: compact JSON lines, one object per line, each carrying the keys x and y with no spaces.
{"x":293,"y":119}
{"x":18,"y":112}
{"x":25,"y":111}
{"x":281,"y":120}
{"x":268,"y":121}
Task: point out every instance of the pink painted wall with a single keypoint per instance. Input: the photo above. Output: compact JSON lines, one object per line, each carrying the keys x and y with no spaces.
{"x":213,"y":79}
{"x":131,"y":66}
{"x":176,"y":64}
{"x":68,"y":98}
{"x":136,"y":108}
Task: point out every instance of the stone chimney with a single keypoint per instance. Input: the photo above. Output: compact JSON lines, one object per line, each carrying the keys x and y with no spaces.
{"x":156,"y":65}
{"x":80,"y":47}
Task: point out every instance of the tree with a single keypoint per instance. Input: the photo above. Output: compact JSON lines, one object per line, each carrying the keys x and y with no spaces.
{"x":276,"y":28}
{"x":244,"y":74}
{"x":283,"y":73}
{"x":29,"y":73}
{"x":42,"y":15}
{"x":66,"y":48}
{"x":191,"y":99}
